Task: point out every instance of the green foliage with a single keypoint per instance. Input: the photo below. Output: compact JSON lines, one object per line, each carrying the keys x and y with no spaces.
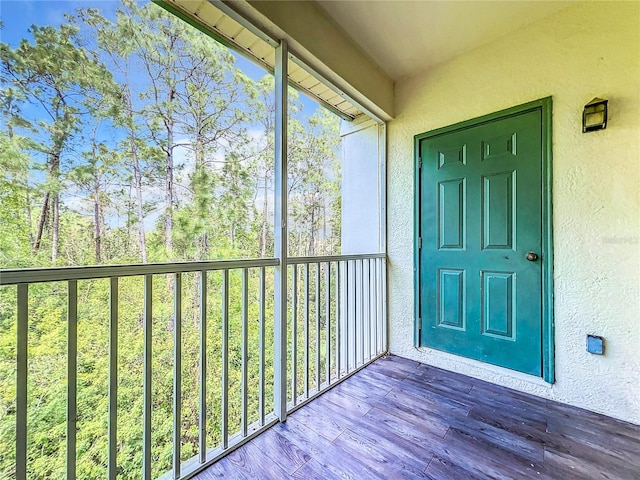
{"x":58,"y":75}
{"x":14,"y":190}
{"x":131,"y":140}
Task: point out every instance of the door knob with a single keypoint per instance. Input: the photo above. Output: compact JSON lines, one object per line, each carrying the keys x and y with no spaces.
{"x":532,"y":256}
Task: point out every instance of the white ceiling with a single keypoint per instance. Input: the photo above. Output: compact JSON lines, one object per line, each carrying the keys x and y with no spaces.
{"x":407,"y":37}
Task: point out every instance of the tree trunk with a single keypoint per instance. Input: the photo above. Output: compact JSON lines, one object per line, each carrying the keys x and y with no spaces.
{"x":265,"y":219}
{"x":97,"y":230}
{"x":196,"y":300}
{"x":55,"y":239}
{"x":200,"y":240}
{"x":169,"y":193}
{"x":168,"y":220}
{"x":53,"y":173}
{"x":312,"y":233}
{"x":204,"y":246}
{"x":137,"y":175}
{"x":324,"y":229}
{"x":44,"y":213}
{"x":29,"y":219}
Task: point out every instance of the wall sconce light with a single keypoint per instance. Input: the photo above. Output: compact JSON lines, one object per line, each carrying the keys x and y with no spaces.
{"x":594,"y":115}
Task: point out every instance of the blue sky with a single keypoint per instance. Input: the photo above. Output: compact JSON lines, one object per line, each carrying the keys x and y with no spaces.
{"x":18,"y":15}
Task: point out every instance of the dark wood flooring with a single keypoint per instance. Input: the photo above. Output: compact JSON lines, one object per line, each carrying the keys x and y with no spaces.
{"x":401,"y":419}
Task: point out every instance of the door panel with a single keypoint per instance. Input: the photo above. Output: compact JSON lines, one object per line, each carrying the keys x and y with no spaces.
{"x":451,"y":212}
{"x":451,"y":301}
{"x":498,"y":198}
{"x":480,"y":213}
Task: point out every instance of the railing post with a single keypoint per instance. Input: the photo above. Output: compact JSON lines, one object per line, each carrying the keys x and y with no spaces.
{"x":225,"y":359}
{"x":21,"y":381}
{"x":280,"y":233}
{"x":177,"y":374}
{"x":306,"y":330}
{"x":202,"y":371}
{"x":72,"y":376}
{"x":244,"y":387}
{"x":146,"y":377}
{"x":112,"y":457}
{"x":294,"y":335}
{"x":261,"y":402}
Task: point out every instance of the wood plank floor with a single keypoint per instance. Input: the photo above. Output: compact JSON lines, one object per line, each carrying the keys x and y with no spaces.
{"x":400,"y":419}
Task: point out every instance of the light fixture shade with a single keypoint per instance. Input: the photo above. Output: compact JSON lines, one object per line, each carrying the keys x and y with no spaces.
{"x":594,"y":115}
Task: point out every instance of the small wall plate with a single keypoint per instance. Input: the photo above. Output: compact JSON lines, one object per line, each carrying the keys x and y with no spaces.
{"x":595,"y":344}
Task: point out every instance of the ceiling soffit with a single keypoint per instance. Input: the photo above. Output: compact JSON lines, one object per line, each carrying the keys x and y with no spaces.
{"x":256,"y":46}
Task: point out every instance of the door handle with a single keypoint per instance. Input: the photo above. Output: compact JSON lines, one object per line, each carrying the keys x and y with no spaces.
{"x":532,"y":256}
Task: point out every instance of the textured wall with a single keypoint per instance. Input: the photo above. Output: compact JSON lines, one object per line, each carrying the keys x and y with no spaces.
{"x":588,"y":50}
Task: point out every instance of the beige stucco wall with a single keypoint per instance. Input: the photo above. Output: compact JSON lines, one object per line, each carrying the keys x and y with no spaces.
{"x":588,"y":50}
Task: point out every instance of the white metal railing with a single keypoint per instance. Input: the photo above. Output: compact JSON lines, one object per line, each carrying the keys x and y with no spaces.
{"x":336,"y":325}
{"x":337,"y":320}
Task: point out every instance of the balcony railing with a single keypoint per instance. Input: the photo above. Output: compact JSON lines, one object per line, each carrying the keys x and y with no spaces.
{"x":336,"y":324}
{"x":337,"y":321}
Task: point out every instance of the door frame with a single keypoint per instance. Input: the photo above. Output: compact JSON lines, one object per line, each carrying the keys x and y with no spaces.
{"x":544,"y":106}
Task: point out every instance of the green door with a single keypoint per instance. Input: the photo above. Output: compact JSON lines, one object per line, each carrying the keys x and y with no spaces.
{"x":480,"y":227}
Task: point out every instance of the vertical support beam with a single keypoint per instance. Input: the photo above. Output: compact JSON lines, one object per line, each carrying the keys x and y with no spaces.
{"x":21,"y":381}
{"x":202,"y":416}
{"x":72,"y":376}
{"x":280,"y":233}
{"x":146,"y":378}
{"x":113,"y":380}
{"x":177,"y":372}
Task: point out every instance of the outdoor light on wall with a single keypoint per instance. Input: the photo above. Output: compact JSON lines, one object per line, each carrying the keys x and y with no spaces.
{"x":594,"y":116}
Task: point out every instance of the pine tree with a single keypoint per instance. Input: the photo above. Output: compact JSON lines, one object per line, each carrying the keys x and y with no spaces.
{"x":55,"y":73}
